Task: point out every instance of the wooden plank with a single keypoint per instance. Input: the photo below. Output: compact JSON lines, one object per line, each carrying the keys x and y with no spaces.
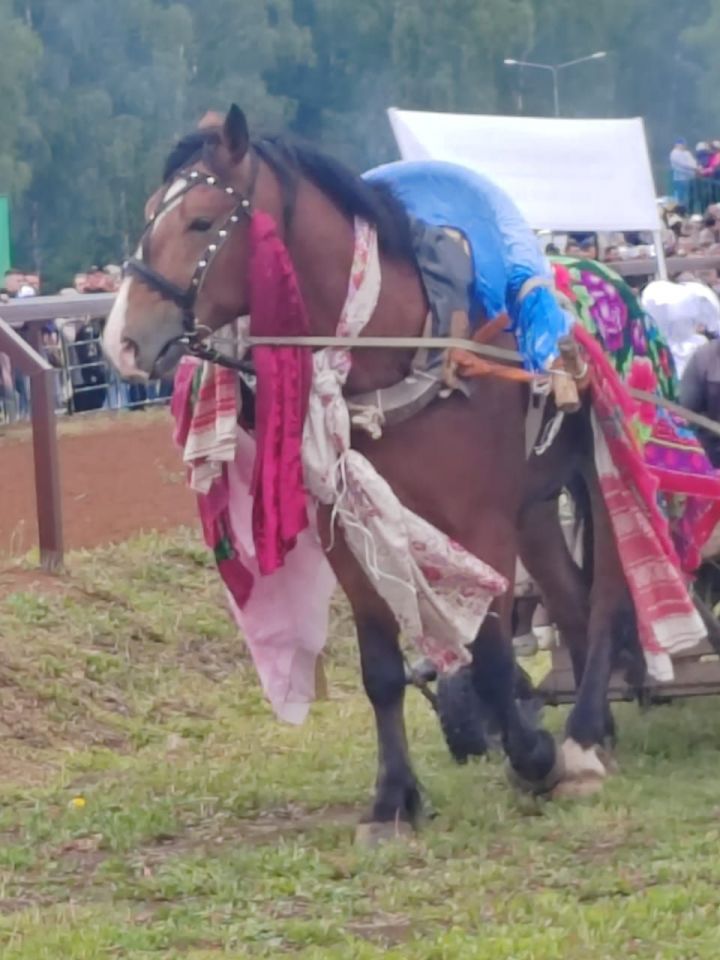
{"x":647,"y":266}
{"x":697,"y":673}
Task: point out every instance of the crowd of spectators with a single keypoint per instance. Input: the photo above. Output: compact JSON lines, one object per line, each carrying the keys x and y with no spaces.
{"x":695,"y":175}
{"x":685,"y":236}
{"x":84,"y":382}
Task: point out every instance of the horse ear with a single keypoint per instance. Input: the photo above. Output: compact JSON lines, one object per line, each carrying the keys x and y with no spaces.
{"x":235,"y":133}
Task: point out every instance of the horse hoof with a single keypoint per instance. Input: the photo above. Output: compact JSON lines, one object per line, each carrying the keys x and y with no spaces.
{"x":578,"y":788}
{"x":538,"y":788}
{"x":607,"y":758}
{"x":371,"y":835}
{"x":585,"y":772}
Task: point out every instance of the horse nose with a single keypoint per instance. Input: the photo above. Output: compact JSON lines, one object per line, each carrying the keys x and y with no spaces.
{"x":126,"y":360}
{"x":129,"y":349}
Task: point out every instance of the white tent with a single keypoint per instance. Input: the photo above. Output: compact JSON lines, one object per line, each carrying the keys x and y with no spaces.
{"x":590,"y":175}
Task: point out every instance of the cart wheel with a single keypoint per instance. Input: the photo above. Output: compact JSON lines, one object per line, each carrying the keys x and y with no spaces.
{"x":462,"y":717}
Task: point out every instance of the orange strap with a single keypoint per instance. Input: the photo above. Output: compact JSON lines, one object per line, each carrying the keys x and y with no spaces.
{"x":491,"y":330}
{"x":470,"y":365}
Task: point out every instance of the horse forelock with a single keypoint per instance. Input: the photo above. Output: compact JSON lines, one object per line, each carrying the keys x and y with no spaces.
{"x":193,"y":147}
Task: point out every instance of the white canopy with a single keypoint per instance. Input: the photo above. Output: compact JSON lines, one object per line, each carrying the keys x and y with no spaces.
{"x":590,"y":175}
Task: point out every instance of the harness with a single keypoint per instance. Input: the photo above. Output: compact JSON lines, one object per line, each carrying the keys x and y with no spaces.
{"x":186,"y":299}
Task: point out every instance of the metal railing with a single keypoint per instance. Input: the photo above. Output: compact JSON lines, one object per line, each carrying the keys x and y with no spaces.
{"x":67,"y":375}
{"x":84,"y":382}
{"x":45,"y":450}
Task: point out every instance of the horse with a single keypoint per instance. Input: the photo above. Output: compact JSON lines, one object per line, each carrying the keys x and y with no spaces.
{"x":459,"y":463}
{"x":590,"y":602}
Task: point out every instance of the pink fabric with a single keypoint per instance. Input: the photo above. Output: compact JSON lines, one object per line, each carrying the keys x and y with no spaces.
{"x":213,"y":505}
{"x":283,"y":385}
{"x":285,"y":618}
{"x":667,"y":619}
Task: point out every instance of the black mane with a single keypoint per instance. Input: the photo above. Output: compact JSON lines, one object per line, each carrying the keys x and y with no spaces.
{"x":290,"y":160}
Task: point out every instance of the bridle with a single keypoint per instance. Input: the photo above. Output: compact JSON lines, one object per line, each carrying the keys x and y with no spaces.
{"x":194,"y":333}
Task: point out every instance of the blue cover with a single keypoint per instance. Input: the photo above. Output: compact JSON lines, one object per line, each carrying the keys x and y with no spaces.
{"x":505,"y":251}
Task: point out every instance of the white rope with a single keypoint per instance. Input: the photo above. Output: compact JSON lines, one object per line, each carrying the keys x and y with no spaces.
{"x":549,"y":434}
{"x":369,"y":417}
{"x":349,"y":521}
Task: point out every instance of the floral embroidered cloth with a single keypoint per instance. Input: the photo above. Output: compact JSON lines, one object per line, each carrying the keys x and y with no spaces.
{"x":688,"y":485}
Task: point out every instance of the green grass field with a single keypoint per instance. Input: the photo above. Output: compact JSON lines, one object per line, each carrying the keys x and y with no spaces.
{"x":151,"y":807}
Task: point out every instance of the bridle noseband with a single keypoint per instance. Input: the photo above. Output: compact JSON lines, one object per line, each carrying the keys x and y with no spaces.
{"x":186,"y":299}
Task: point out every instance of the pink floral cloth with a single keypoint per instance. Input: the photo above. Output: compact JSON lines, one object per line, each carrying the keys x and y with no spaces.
{"x":438,"y":592}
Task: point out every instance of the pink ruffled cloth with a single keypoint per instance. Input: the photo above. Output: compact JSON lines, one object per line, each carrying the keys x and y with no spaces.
{"x":284,"y":377}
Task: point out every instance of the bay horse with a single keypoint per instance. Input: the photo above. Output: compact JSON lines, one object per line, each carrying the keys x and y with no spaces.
{"x":460,"y":463}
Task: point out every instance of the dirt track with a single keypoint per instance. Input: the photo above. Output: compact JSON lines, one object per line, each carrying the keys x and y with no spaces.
{"x":120,"y":475}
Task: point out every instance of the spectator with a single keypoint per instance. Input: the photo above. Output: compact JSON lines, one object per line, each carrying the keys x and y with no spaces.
{"x":88,"y":373}
{"x":700,"y":392}
{"x":12,"y":281}
{"x":712,"y":168}
{"x":703,"y":155}
{"x":684,"y":169}
{"x":589,"y":248}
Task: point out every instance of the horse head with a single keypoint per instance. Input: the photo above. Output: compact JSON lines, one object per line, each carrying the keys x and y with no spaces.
{"x":189,"y":274}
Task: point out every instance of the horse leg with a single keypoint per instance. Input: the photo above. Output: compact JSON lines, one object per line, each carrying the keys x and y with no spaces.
{"x":397,"y":804}
{"x":546,"y":556}
{"x":524,"y":640}
{"x":590,"y":728}
{"x":530,"y":751}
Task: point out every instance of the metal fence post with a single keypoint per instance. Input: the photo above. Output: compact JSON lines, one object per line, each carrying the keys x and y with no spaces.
{"x":47,"y":470}
{"x":45,"y":447}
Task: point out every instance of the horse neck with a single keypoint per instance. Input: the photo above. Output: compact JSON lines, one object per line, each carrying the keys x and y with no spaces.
{"x":321,"y":243}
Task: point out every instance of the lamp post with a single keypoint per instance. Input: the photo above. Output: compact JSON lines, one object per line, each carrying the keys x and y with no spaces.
{"x":555,"y":70}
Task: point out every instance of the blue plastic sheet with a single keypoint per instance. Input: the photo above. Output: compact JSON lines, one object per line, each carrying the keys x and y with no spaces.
{"x":505,"y":251}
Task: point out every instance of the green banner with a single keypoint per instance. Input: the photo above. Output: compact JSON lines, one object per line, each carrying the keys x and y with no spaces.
{"x":4,"y":235}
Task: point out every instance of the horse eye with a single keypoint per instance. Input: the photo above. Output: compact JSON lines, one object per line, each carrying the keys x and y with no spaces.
{"x":201,"y":224}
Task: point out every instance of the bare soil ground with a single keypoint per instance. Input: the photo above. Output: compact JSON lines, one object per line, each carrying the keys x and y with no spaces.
{"x":121,"y":475}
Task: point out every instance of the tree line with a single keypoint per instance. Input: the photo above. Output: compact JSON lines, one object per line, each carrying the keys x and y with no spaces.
{"x":93,"y":92}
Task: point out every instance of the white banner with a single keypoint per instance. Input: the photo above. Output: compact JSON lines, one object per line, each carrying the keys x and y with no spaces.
{"x":562,"y":174}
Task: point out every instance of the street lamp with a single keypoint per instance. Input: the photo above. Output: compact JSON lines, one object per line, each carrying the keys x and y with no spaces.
{"x":555,"y":70}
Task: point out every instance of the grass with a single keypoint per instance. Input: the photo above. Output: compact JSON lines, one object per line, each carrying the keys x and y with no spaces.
{"x":151,"y":807}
